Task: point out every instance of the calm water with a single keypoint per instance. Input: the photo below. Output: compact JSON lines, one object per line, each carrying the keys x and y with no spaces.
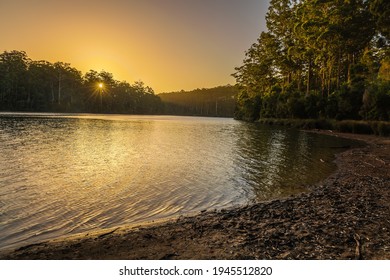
{"x":66,"y":174}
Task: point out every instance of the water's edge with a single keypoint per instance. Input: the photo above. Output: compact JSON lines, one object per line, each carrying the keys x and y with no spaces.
{"x":244,"y":164}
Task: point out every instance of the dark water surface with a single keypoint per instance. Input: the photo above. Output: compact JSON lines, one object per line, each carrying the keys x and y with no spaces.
{"x":66,"y":174}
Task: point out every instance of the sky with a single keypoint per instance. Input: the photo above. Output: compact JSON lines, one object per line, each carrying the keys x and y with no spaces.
{"x":170,"y":45}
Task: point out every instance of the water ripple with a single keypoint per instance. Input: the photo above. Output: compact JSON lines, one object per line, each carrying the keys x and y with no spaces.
{"x":65,"y":174}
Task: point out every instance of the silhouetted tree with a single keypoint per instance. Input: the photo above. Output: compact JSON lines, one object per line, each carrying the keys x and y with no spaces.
{"x":27,"y":85}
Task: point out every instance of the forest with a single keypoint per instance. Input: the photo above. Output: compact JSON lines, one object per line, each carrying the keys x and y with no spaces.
{"x":41,"y":86}
{"x":318,"y":59}
{"x":326,"y":59}
{"x":213,"y":102}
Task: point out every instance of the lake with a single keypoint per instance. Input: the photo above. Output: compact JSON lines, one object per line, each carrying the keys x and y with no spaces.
{"x":67,"y":174}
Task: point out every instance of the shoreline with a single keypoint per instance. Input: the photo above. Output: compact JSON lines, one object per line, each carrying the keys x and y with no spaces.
{"x":346,"y":216}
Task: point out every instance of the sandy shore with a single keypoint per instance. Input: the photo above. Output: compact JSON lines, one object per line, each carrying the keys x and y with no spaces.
{"x":347,"y":216}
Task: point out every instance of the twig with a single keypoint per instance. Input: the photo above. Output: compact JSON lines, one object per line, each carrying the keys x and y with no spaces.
{"x":358,"y":249}
{"x":107,"y":233}
{"x":369,"y":164}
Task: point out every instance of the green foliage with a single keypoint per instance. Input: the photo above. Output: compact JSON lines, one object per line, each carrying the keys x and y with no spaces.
{"x":376,"y":102}
{"x":312,"y":105}
{"x":382,"y":128}
{"x":27,"y":85}
{"x":381,"y":11}
{"x":329,"y":59}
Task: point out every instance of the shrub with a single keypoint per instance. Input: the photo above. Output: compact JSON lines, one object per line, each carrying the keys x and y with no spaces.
{"x":383,"y":129}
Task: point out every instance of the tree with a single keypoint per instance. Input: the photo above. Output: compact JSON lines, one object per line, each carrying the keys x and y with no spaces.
{"x":42,"y":86}
{"x":380,"y":9}
{"x":219,"y":101}
{"x":41,"y":79}
{"x":336,"y":49}
{"x":13,"y":67}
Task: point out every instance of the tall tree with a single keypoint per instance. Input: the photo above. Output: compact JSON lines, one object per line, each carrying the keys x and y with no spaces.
{"x":42,"y":86}
{"x":14,"y":65}
{"x":326,"y":45}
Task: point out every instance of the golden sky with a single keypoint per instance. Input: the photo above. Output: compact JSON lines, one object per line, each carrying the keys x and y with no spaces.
{"x":168,"y":44}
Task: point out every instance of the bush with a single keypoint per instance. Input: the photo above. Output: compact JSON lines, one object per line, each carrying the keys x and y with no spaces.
{"x":348,"y":126}
{"x":248,"y":107}
{"x":313,"y":105}
{"x":383,"y":129}
{"x":361,"y":127}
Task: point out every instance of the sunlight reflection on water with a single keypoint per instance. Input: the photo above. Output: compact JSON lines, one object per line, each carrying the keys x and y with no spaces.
{"x":65,"y":174}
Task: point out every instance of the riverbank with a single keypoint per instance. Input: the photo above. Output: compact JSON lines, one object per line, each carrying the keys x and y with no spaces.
{"x":380,"y":128}
{"x":347,"y":216}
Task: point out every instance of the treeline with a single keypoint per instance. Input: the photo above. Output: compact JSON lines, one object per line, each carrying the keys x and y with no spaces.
{"x":319,"y":59}
{"x":213,"y":102}
{"x":27,"y":85}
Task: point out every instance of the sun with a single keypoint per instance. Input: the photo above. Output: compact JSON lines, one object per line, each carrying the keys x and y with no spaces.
{"x":100,"y":85}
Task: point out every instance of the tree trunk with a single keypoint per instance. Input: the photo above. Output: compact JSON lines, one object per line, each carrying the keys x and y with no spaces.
{"x":59,"y":88}
{"x":349,"y":68}
{"x":52,"y":93}
{"x":308,"y":78}
{"x":323,"y":83}
{"x":330,"y":78}
{"x":28,"y":97}
{"x":338,"y":72}
{"x":299,"y":81}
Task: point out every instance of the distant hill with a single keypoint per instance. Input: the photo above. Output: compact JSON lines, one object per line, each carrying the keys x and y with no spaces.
{"x":213,"y":102}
